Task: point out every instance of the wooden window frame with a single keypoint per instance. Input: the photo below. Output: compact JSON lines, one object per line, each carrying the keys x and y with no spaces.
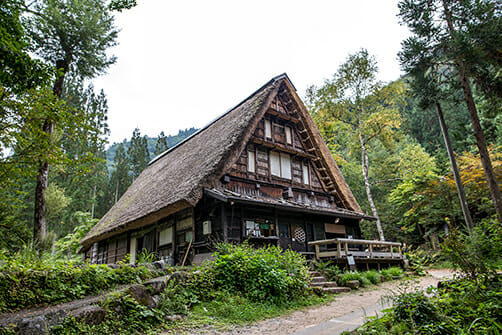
{"x":288,"y":131}
{"x":280,"y":156}
{"x":306,"y":176}
{"x":268,"y":129}
{"x":251,"y":161}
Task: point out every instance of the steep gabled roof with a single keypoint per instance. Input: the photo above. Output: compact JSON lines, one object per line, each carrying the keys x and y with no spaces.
{"x":177,"y":178}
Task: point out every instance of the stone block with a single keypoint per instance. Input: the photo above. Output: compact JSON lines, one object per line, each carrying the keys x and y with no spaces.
{"x":91,"y":315}
{"x":140,"y":294}
{"x":353,"y":284}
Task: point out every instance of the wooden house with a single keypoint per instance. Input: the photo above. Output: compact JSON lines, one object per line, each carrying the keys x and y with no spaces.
{"x":260,"y":172}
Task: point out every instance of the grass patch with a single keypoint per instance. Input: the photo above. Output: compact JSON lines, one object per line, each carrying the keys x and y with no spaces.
{"x":233,"y":309}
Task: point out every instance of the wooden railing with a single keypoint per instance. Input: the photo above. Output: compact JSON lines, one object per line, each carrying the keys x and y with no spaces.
{"x":344,"y":246}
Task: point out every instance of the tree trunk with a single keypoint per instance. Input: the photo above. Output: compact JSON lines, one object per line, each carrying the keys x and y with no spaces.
{"x":365,"y":165}
{"x":454,"y":168}
{"x":117,"y":191}
{"x":495,"y":192}
{"x":40,"y":224}
{"x":93,"y":201}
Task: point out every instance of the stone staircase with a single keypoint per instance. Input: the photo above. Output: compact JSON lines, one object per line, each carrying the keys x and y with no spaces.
{"x":318,"y":280}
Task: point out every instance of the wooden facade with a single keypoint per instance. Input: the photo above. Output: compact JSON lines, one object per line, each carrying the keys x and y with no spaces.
{"x":275,"y":183}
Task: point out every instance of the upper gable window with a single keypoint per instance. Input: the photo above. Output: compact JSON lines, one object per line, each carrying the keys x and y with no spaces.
{"x":275,"y":163}
{"x":280,"y":164}
{"x":268,"y":129}
{"x":251,"y":161}
{"x":288,"y":135}
{"x":305,"y":170}
{"x":285,"y":166}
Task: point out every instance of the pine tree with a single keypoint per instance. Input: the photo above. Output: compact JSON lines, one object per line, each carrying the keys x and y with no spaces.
{"x":138,"y":153}
{"x":161,"y":144}
{"x":460,"y":41}
{"x":120,"y":179}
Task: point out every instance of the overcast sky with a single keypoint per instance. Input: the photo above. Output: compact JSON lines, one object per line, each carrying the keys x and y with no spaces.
{"x":180,"y":64}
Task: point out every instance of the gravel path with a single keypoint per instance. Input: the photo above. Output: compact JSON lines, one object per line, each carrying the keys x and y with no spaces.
{"x":359,"y":302}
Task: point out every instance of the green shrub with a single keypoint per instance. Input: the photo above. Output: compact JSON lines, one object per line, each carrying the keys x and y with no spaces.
{"x":373,"y":276}
{"x":479,"y":252}
{"x":390,"y":273}
{"x":178,"y":298}
{"x":329,"y":271}
{"x":40,"y":282}
{"x":260,"y":274}
{"x":416,"y":308}
{"x":348,"y":276}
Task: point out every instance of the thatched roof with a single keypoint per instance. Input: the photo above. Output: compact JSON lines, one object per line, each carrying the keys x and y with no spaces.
{"x":177,"y":178}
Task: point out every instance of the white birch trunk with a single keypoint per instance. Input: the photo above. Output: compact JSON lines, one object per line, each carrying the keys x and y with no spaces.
{"x":365,"y":165}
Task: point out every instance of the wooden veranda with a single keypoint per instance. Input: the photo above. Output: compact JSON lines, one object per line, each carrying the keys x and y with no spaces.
{"x":364,"y":252}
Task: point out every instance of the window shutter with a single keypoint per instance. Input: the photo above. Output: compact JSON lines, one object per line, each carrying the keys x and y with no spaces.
{"x":275,"y":163}
{"x":306,"y":179}
{"x":285,"y":166}
{"x":268,"y":129}
{"x":288,"y":135}
{"x":251,"y":161}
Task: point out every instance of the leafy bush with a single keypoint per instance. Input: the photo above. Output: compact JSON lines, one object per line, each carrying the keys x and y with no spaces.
{"x":348,"y":276}
{"x":177,"y":298}
{"x":373,"y":276}
{"x":414,"y":307}
{"x":465,"y":306}
{"x":260,"y":274}
{"x":478,"y":252}
{"x":26,"y":280}
{"x":390,"y":273}
{"x":329,"y":271}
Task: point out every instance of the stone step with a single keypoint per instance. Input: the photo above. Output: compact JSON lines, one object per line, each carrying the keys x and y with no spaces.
{"x":318,"y":279}
{"x":315,"y":274}
{"x":335,"y":290}
{"x":324,"y":284}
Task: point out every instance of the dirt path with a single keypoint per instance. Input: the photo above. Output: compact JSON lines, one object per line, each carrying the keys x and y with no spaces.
{"x":311,"y":320}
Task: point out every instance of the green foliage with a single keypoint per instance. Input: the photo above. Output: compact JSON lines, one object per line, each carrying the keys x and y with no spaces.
{"x":70,"y":243}
{"x":18,"y":71}
{"x":365,"y":111}
{"x":178,"y":298}
{"x":390,"y":273}
{"x":373,"y":276}
{"x":330,"y":271}
{"x":419,"y":259}
{"x":138,"y":153}
{"x":476,"y":253}
{"x":160,"y":145}
{"x":56,"y":202}
{"x":28,"y":280}
{"x":354,"y":275}
{"x":414,"y":307}
{"x":463,"y":306}
{"x":259,"y":274}
{"x":87,"y":23}
{"x":234,"y":309}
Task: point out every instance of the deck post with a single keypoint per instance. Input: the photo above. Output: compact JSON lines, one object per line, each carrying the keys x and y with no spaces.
{"x":317,"y":251}
{"x":371,"y":250}
{"x":400,"y":253}
{"x":391,"y":251}
{"x":338,"y":247}
{"x":346,"y":249}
